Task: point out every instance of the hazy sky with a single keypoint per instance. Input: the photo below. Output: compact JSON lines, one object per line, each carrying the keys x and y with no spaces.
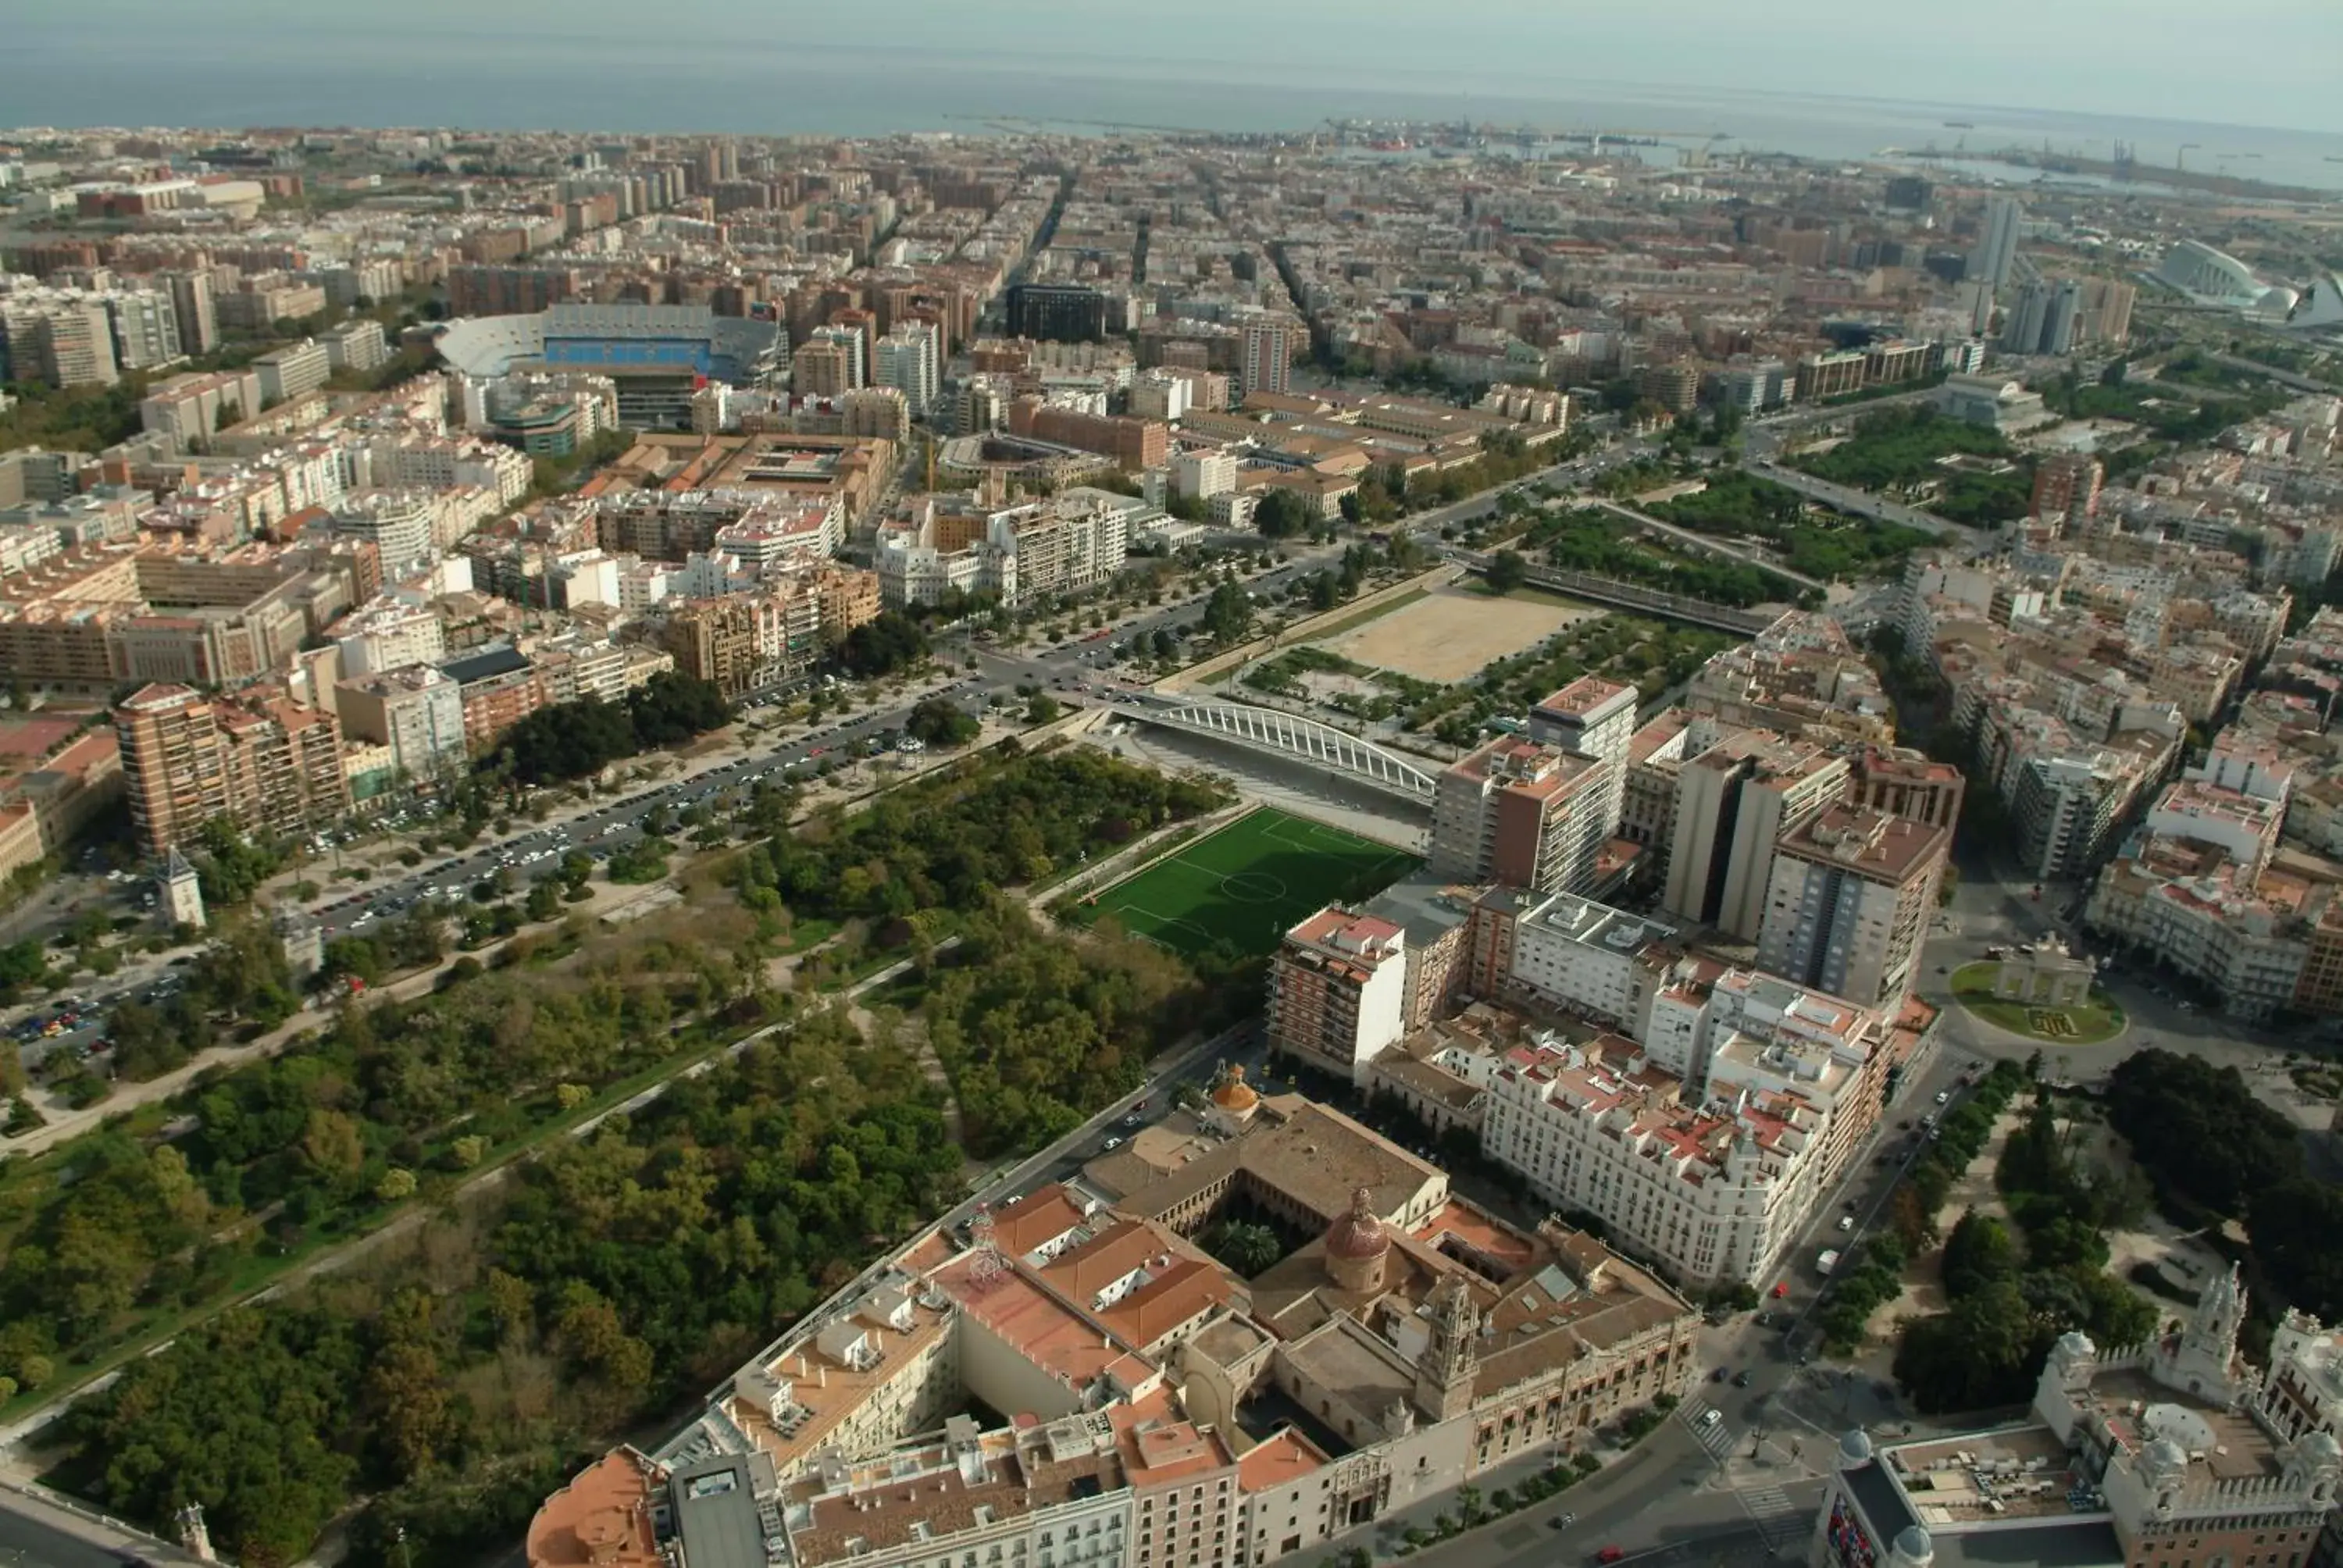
{"x":2241,"y":61}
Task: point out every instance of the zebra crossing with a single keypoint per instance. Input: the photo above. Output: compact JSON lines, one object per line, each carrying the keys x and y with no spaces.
{"x":1777,"y":1519}
{"x":1708,"y":1428}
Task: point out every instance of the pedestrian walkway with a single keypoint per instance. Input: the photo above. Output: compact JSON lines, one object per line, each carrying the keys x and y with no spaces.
{"x":1708,"y":1427}
{"x":1777,"y":1519}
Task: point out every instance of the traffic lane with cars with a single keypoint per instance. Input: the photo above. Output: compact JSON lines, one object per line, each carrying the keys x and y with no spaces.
{"x":601,"y":830}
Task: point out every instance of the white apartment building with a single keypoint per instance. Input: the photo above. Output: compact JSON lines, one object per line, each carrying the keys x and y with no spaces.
{"x":1203,"y":475}
{"x":583,"y":577}
{"x":146,"y":325}
{"x":444,"y":464}
{"x":293,"y":371}
{"x":357,"y":346}
{"x":781,"y":533}
{"x":908,"y":360}
{"x":912,"y":572}
{"x":1710,"y":1189}
{"x":63,"y":339}
{"x":1069,"y":548}
{"x":386,"y":635}
{"x":1592,"y":960}
{"x":401,"y":524}
{"x":1161,"y":395}
{"x":416,"y":710}
{"x":190,"y":407}
{"x":642,"y":584}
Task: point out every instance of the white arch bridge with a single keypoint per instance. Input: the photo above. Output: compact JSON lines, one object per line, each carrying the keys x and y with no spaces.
{"x":1304,"y":740}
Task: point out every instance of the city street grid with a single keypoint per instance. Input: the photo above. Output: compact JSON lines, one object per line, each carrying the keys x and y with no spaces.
{"x":1244,"y":885}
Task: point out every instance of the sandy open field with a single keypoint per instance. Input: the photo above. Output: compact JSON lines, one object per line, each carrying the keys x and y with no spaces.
{"x":1450,"y":633}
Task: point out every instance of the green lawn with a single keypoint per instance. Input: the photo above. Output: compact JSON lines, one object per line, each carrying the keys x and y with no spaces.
{"x":1244,"y":885}
{"x":2097,"y":1021}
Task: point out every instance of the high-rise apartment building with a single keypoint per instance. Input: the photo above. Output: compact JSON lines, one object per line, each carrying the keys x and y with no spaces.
{"x":2064,"y":320}
{"x":146,"y":327}
{"x":1675,"y":386}
{"x":2106,"y":310}
{"x":1595,"y":719}
{"x":357,"y":346}
{"x":1056,"y":312}
{"x":1338,"y":989}
{"x":2067,"y":490}
{"x":1203,"y":475}
{"x":857,"y":332}
{"x":821,"y":369}
{"x":2022,"y":323}
{"x":266,"y":764}
{"x":1269,"y":356}
{"x":198,"y":317}
{"x":907,"y":361}
{"x":1995,"y":256}
{"x":1520,"y":813}
{"x":417,"y":711}
{"x":293,"y":371}
{"x":1733,"y":802}
{"x":718,"y":640}
{"x":62,"y":340}
{"x":1849,"y":905}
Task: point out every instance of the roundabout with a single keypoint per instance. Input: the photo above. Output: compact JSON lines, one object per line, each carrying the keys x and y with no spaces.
{"x":2092,"y":1020}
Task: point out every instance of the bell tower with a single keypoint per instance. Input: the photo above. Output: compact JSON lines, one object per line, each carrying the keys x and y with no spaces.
{"x":1443,"y":1373}
{"x":2203,"y":1361}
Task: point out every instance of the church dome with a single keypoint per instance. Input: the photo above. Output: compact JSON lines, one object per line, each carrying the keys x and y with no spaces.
{"x":1358,"y":1234}
{"x":1233,"y":1093}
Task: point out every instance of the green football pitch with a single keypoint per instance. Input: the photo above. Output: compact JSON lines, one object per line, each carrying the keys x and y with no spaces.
{"x":1246,"y":884}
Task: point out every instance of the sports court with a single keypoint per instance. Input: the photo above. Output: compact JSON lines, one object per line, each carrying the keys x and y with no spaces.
{"x":1245,"y":884}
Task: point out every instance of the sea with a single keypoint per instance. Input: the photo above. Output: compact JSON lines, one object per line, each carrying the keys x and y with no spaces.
{"x":646,"y":80}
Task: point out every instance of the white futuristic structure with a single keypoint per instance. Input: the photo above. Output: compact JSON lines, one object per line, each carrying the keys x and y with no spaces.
{"x":2322,"y":308}
{"x":2208,"y":276}
{"x":1265,"y":729}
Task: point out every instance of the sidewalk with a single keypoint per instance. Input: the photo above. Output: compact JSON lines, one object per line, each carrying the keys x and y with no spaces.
{"x":1644,"y":1466}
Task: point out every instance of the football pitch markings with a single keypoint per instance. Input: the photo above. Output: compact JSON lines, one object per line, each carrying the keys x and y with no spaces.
{"x":1246,"y":884}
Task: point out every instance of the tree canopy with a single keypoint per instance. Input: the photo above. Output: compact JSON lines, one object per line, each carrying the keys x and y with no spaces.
{"x":1281,"y":514}
{"x":948,"y":843}
{"x":893,"y":641}
{"x":616,"y":1274}
{"x":573,"y":739}
{"x":940,"y":722}
{"x":2198,"y":1131}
